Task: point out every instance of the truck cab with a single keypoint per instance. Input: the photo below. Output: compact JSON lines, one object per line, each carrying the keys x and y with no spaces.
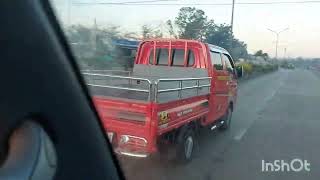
{"x":176,"y":88}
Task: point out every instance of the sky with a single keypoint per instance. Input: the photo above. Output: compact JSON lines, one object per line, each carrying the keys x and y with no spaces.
{"x":251,"y":21}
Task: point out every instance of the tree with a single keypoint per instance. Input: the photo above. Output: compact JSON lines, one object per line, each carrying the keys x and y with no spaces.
{"x":191,"y":23}
{"x":146,"y":32}
{"x":171,"y":30}
{"x":219,"y":35}
{"x":261,"y":54}
{"x":78,"y":34}
{"x":222,"y":36}
{"x":157,"y":33}
{"x":103,"y":39}
{"x":238,"y":49}
{"x":258,"y":53}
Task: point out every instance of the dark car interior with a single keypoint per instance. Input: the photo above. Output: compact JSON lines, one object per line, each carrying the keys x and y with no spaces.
{"x":49,"y":128}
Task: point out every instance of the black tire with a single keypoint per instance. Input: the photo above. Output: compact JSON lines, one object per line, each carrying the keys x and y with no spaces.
{"x":186,"y":143}
{"x":227,"y":120}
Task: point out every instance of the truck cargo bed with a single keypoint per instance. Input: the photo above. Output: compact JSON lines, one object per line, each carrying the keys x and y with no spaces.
{"x":146,"y":82}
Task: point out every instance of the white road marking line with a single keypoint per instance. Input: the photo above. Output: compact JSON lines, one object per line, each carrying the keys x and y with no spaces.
{"x":242,"y":132}
{"x":239,"y":136}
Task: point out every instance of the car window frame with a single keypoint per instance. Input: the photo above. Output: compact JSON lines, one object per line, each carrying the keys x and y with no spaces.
{"x":221,"y":61}
{"x":230,"y":62}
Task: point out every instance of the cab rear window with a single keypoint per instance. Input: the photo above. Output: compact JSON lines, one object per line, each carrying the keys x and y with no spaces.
{"x":177,"y":56}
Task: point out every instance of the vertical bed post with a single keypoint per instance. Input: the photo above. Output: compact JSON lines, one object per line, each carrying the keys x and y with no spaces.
{"x":185,"y":54}
{"x":154,"y":53}
{"x":169,"y":56}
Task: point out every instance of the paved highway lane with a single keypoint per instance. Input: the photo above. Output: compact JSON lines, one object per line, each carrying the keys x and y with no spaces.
{"x":276,"y":118}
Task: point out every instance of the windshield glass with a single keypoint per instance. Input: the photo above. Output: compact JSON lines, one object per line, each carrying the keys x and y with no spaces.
{"x":202,"y":89}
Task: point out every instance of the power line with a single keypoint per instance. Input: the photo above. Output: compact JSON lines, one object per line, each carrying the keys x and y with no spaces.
{"x":121,"y":3}
{"x":148,"y":3}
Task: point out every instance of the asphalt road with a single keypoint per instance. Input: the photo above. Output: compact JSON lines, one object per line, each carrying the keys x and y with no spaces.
{"x":276,"y":118}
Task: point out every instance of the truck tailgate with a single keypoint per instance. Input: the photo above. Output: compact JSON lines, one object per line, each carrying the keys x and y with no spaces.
{"x":127,"y":119}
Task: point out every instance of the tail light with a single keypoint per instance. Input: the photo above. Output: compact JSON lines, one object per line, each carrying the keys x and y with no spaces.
{"x":132,"y":140}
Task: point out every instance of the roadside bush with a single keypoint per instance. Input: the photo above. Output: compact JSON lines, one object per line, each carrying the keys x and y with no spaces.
{"x":260,"y":68}
{"x":247,"y":67}
{"x":251,"y":69}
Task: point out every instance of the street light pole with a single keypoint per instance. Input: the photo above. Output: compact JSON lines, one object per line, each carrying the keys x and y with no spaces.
{"x":277,"y":40}
{"x":285,"y":53}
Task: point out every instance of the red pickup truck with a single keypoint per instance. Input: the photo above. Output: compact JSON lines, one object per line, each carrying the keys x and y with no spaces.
{"x":176,"y":88}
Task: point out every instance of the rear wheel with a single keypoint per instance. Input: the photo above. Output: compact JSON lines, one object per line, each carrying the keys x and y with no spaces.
{"x":185,"y":146}
{"x":226,"y":120}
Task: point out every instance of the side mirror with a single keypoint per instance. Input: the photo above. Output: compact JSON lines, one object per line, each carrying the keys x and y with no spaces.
{"x":239,"y":71}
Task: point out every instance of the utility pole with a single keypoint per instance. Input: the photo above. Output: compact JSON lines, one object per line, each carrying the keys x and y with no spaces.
{"x":277,"y":39}
{"x":94,"y":34}
{"x":285,"y":52}
{"x":232,"y":14}
{"x":233,"y":1}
